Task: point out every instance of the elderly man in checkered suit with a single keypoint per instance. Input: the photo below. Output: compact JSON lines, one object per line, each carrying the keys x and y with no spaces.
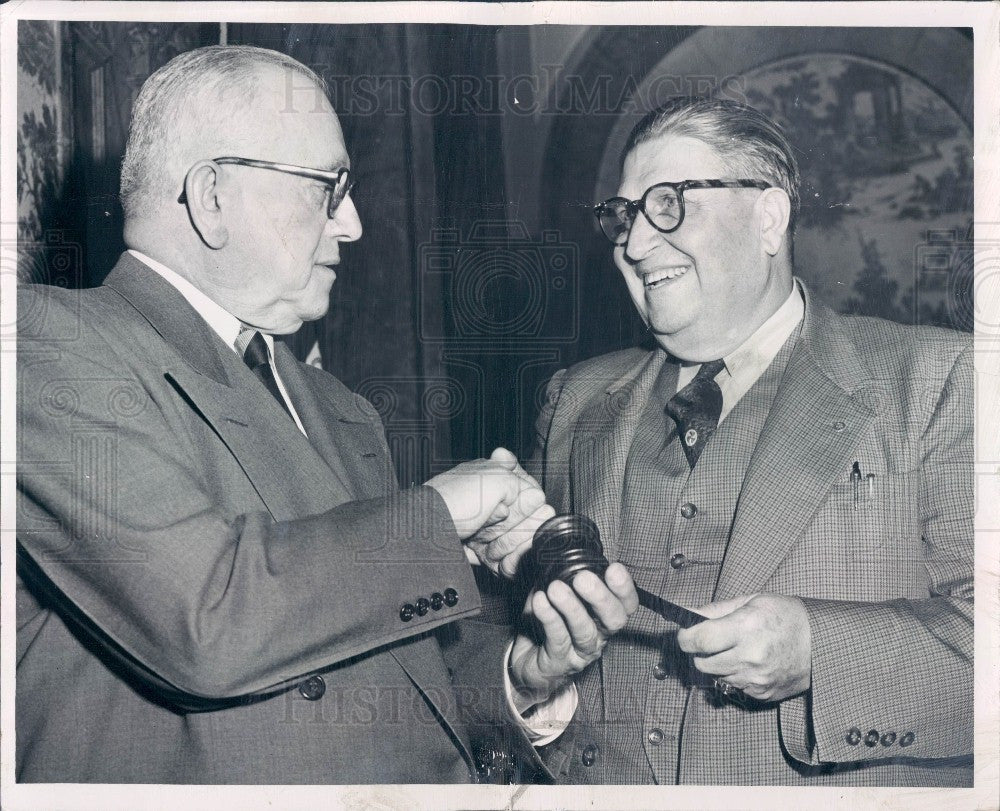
{"x":801,"y":478}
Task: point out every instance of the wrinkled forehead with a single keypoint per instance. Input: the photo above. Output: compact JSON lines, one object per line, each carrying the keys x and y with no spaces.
{"x":669,"y":158}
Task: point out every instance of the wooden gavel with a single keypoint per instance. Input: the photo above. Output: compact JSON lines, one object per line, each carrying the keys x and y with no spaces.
{"x":571,"y":543}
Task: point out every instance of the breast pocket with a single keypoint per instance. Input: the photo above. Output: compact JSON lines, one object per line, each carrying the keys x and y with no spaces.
{"x":866,"y":548}
{"x":880,"y":511}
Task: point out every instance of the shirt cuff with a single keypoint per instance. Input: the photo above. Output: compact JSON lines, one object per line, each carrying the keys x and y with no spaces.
{"x":471,"y":556}
{"x":547,"y":720}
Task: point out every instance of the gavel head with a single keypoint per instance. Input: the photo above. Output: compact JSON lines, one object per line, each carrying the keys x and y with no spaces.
{"x":564,"y":545}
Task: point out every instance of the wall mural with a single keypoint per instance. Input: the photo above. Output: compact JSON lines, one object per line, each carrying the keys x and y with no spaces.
{"x":887,"y":197}
{"x":42,"y":146}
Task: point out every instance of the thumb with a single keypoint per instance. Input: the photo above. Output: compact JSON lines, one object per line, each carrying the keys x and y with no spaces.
{"x":724,"y":607}
{"x":504,"y":457}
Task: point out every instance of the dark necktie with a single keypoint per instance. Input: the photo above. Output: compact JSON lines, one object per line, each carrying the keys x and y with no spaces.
{"x":696,"y":409}
{"x":252,"y":346}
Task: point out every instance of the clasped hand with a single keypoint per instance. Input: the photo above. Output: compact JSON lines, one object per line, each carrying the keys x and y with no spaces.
{"x":496,"y":506}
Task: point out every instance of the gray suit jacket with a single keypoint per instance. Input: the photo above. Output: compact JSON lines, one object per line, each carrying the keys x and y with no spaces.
{"x":204,"y":595}
{"x":888,"y":588}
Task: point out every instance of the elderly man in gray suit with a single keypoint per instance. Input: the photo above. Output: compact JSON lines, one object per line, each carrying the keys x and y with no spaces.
{"x":803,"y":477}
{"x":219,"y":580}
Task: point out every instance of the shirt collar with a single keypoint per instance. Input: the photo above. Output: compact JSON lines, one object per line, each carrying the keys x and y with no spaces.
{"x":226,"y":325}
{"x":760,"y":349}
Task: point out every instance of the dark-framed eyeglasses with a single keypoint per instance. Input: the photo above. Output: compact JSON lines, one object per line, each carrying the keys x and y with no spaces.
{"x":661,"y":204}
{"x":338,"y":181}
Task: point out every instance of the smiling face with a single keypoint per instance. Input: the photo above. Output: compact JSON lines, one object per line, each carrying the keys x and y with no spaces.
{"x":706,"y":287}
{"x":276,"y":270}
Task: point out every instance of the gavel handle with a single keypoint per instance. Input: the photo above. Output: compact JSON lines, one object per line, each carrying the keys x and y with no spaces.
{"x":668,"y":610}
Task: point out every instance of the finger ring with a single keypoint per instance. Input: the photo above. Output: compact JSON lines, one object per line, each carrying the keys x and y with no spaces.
{"x":725,"y":687}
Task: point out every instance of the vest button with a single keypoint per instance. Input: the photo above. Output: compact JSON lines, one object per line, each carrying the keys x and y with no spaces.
{"x":678,"y":561}
{"x":655,"y":736}
{"x":659,"y":672}
{"x":589,"y":755}
{"x":689,"y":510}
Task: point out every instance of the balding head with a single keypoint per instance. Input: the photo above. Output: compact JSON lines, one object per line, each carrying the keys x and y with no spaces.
{"x":252,"y":232}
{"x":202,"y":103}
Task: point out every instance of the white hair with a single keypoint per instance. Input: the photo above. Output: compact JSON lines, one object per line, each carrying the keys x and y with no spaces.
{"x":194,"y":99}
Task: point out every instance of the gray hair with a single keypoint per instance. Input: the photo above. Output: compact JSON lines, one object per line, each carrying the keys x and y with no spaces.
{"x":197,"y":92}
{"x":751,"y":145}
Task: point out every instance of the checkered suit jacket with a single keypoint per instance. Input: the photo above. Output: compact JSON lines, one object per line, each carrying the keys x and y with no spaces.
{"x":888,"y":589}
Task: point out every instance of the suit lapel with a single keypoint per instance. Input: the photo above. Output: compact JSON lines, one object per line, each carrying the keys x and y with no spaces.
{"x":281,"y":464}
{"x":824,"y":406}
{"x":601,"y":442}
{"x":169,"y":313}
{"x":341,"y":433}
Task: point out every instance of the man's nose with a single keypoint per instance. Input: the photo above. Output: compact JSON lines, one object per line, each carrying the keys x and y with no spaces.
{"x":642,"y":239}
{"x":345,"y":225}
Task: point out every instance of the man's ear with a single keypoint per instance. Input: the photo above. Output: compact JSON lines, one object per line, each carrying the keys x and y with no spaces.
{"x":774,"y":209}
{"x":202,"y":197}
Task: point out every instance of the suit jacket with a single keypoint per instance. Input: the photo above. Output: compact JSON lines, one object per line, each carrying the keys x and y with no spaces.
{"x":888,"y":588}
{"x":204,"y":594}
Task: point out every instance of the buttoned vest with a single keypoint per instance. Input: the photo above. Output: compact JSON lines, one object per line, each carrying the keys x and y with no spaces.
{"x":674,"y":528}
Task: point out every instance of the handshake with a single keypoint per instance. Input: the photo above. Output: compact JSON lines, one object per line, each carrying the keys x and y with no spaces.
{"x":496,"y":506}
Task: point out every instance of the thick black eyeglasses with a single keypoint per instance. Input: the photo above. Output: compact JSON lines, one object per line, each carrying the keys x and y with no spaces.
{"x":662,"y":205}
{"x":338,"y":180}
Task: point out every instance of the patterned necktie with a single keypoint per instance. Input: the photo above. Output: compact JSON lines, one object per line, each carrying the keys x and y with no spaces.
{"x":696,"y":409}
{"x":252,"y":346}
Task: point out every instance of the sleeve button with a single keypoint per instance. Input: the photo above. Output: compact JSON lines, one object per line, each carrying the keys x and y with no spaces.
{"x":907,"y":739}
{"x":406,"y":612}
{"x":423,"y":606}
{"x":853,"y":736}
{"x":313,"y":688}
{"x":450,"y":597}
{"x":871,"y":738}
{"x":437,"y":601}
{"x":888,"y":739}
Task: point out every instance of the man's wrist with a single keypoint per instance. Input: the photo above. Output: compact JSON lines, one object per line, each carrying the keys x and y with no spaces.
{"x":544,"y":721}
{"x":523,"y":700}
{"x":524,"y":697}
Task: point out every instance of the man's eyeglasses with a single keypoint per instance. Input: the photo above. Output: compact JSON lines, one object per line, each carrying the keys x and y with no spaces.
{"x":662,"y":205}
{"x":338,"y":181}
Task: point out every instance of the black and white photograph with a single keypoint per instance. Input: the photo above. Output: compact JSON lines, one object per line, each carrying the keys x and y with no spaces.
{"x":471,"y":405}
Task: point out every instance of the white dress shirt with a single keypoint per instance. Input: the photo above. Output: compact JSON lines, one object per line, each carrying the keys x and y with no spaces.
{"x":746,"y":363}
{"x":225,"y":324}
{"x":545,"y":722}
